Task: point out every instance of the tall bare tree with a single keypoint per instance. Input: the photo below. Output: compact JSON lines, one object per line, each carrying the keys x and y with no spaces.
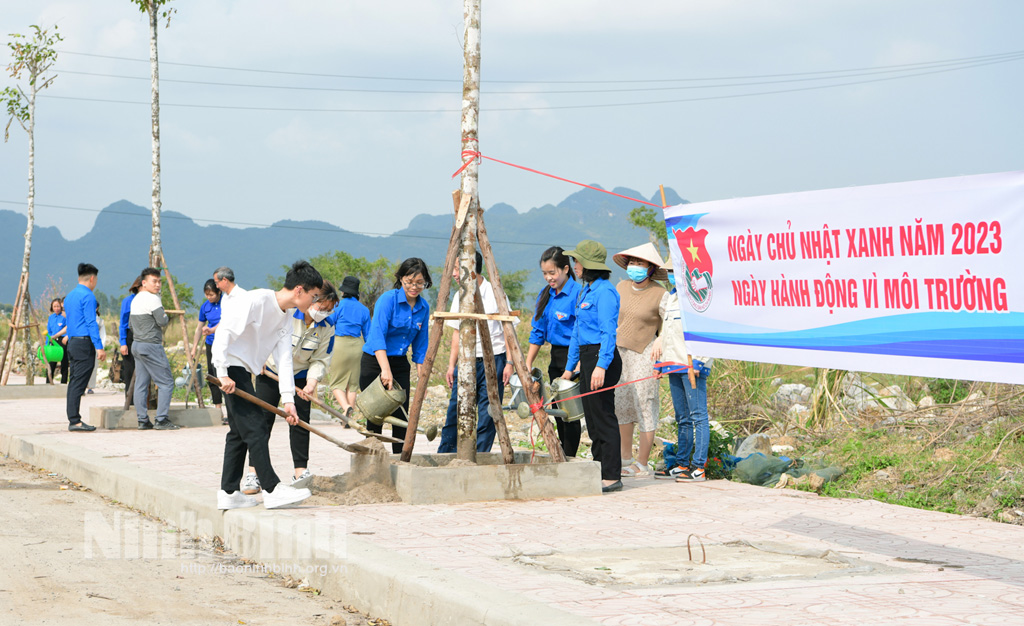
{"x":467,"y":402}
{"x":32,"y":57}
{"x":155,"y":9}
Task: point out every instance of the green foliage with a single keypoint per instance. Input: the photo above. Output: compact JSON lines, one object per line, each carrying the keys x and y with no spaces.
{"x":948,"y":390}
{"x":719,"y":446}
{"x":375,"y":277}
{"x":185,"y":294}
{"x":514,"y":284}
{"x":34,"y":56}
{"x":654,"y":223}
{"x":144,"y":6}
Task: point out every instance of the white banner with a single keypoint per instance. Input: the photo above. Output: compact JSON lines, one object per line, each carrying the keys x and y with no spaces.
{"x":911,"y":278}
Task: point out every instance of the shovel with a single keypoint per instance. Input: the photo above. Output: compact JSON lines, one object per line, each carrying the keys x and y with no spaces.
{"x":354,"y":448}
{"x":339,"y":415}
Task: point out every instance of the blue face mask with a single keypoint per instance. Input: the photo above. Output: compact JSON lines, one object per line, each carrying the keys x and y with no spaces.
{"x":672,"y":279}
{"x":637,"y":274}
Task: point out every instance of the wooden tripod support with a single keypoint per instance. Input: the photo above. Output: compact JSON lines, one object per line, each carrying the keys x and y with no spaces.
{"x":514,"y":353}
{"x":21,"y":301}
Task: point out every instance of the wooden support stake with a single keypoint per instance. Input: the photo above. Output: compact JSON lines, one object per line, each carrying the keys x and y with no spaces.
{"x":196,"y":383}
{"x":15,"y":314}
{"x":455,"y":315}
{"x":483,"y":332}
{"x":513,"y":350}
{"x":436,"y":332}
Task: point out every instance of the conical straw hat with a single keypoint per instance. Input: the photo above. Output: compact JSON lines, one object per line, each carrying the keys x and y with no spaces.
{"x":648,"y":253}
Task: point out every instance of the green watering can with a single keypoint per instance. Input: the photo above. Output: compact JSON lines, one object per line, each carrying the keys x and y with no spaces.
{"x":52,"y":352}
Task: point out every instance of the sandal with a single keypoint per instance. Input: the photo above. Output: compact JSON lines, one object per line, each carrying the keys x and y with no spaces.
{"x":641,"y":470}
{"x":632,"y":469}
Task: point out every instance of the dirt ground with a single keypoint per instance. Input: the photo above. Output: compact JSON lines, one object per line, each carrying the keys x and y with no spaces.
{"x":55,"y":572}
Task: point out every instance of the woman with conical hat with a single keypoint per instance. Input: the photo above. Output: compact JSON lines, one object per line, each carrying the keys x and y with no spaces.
{"x":592,"y":346}
{"x":637,"y":405}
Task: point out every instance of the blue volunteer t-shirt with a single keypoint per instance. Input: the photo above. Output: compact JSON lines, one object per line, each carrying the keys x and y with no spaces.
{"x":210,"y":313}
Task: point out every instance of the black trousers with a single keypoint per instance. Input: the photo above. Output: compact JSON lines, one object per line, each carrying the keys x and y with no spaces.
{"x":369,"y":370}
{"x":82,"y":358}
{"x":569,"y":433}
{"x":63,"y":363}
{"x":215,"y":395}
{"x":247,"y":431}
{"x":128,"y":366}
{"x":268,"y":391}
{"x":599,"y":411}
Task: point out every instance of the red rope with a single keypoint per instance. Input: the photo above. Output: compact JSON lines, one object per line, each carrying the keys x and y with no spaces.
{"x":683,"y":367}
{"x":473,"y":154}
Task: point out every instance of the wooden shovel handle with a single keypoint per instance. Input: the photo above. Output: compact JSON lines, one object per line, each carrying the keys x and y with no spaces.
{"x":349,"y":447}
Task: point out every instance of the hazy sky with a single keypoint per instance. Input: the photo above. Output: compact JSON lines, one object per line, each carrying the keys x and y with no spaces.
{"x":373,"y":171}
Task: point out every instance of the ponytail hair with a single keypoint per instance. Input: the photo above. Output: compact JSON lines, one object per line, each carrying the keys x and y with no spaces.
{"x":556,"y":255}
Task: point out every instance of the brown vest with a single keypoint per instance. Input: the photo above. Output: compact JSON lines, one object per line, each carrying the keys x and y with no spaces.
{"x":639,"y":320}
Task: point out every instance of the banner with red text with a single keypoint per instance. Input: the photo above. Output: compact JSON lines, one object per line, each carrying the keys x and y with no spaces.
{"x":921,"y":278}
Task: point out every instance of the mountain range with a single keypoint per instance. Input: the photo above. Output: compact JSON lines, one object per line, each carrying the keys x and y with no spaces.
{"x":119,"y":242}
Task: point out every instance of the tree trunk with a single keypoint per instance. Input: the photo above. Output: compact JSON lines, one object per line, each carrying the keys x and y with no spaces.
{"x":155,"y":249}
{"x":23,"y":314}
{"x":466,"y":394}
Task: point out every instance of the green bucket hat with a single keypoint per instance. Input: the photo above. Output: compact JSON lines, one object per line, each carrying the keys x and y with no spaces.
{"x":590,"y":254}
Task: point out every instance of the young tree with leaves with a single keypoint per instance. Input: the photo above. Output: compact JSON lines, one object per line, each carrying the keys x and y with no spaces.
{"x":33,"y":58}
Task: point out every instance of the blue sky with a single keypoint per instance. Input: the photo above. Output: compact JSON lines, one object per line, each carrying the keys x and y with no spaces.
{"x":373,"y":172}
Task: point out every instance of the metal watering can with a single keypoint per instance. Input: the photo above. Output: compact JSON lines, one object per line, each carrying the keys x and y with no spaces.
{"x":550,"y":392}
{"x":377,"y":403}
{"x":573,"y":408}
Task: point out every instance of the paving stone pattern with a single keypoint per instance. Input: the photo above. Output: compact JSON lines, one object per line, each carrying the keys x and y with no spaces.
{"x":933,"y":568}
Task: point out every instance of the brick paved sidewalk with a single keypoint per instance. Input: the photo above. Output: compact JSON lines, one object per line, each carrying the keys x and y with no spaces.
{"x":621,"y":558}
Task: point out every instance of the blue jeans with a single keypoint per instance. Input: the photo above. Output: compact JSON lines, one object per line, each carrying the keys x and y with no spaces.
{"x":691,"y":407}
{"x":485,"y":425}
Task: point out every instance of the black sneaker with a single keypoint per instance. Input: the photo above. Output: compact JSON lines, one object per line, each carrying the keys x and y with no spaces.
{"x":671,"y":473}
{"x":166,"y":425}
{"x":81,"y":427}
{"x":147,"y":425}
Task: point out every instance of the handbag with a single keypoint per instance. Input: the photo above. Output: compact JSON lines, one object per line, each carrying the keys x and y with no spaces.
{"x":116,"y":366}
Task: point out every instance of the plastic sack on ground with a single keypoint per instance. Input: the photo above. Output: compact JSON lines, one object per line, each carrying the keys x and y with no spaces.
{"x":758,"y":469}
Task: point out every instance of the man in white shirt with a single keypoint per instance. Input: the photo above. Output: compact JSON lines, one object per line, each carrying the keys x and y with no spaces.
{"x":250,"y":330}
{"x":485,"y":424}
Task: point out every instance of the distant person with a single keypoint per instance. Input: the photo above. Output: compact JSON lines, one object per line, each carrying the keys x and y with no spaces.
{"x":593,"y":347}
{"x":148,"y":321}
{"x":57,"y":329}
{"x":84,"y":343}
{"x":553,"y":321}
{"x":503,"y":368}
{"x":247,"y":335}
{"x":639,"y":323}
{"x":103,"y":339}
{"x":124,"y":334}
{"x":401,"y":320}
{"x":311,"y":337}
{"x":209,"y":318}
{"x":351,"y":321}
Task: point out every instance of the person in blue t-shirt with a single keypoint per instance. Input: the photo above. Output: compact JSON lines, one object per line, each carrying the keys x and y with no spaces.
{"x":126,"y":338}
{"x":400,"y":321}
{"x":553,"y":322}
{"x":209,"y":318}
{"x":593,"y":347}
{"x":351,"y":321}
{"x":57,"y":329}
{"x":84,"y":345}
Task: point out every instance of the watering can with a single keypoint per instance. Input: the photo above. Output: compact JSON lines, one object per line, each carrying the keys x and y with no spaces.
{"x":52,"y":352}
{"x":573,"y":408}
{"x":515,"y":386}
{"x":377,"y":403}
{"x":523,"y":408}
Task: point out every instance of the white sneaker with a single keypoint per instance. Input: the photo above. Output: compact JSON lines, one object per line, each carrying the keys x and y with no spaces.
{"x":236,"y":500}
{"x":302,"y":480}
{"x":250,"y":485}
{"x":284,"y":495}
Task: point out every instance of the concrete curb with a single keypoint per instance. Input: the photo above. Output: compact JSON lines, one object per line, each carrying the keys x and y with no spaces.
{"x":404,"y":589}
